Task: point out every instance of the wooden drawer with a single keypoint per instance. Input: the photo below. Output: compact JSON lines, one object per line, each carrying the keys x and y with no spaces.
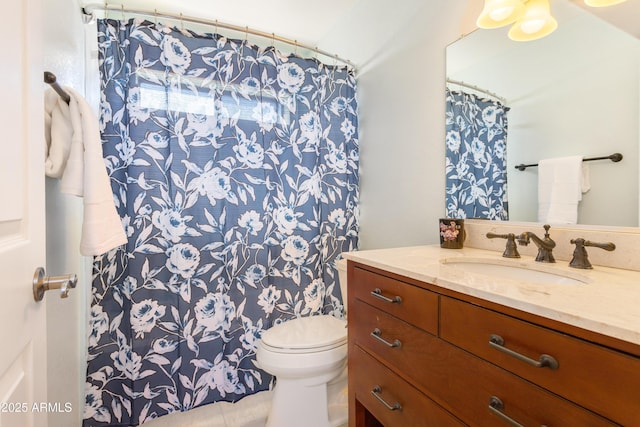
{"x":416,"y":409}
{"x":472,"y":383}
{"x":603,"y":380}
{"x":459,"y":382}
{"x":414,"y":345}
{"x":418,"y":306}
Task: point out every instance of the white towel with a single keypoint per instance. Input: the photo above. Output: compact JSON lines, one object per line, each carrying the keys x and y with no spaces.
{"x":74,"y":154}
{"x":561,"y":182}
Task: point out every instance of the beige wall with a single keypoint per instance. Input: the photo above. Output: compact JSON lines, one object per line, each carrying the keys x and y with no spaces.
{"x":401,"y":84}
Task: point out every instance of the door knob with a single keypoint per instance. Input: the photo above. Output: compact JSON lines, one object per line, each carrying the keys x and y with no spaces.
{"x":42,"y":283}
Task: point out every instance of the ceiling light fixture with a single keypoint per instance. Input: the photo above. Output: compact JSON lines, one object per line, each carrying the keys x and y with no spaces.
{"x":498,"y":13}
{"x":531,"y":19}
{"x":536,"y":23}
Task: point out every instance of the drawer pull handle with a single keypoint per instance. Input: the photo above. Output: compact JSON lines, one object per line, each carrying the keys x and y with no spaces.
{"x":376,"y":393}
{"x":377,"y":335}
{"x":545,"y":361}
{"x":378,"y":294}
{"x":496,"y":406}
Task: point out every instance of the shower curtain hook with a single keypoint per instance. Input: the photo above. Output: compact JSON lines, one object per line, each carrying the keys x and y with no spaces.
{"x":181,"y":22}
{"x":122,"y":11}
{"x":246,"y":34}
{"x":273,"y":40}
{"x":316,"y":49}
{"x":155,"y":16}
{"x":106,"y":10}
{"x":295,"y":52}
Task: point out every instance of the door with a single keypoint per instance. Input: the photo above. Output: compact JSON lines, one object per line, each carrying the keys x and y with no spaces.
{"x":22,"y":243}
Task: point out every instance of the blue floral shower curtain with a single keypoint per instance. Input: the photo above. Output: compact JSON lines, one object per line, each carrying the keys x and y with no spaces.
{"x":476,"y":157}
{"x":235,"y":172}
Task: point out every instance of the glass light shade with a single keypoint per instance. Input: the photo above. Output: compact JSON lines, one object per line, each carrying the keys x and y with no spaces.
{"x":602,"y":3}
{"x":536,"y":23}
{"x":498,"y":13}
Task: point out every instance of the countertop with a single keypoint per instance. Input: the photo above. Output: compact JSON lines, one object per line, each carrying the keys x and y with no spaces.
{"x":608,"y":303}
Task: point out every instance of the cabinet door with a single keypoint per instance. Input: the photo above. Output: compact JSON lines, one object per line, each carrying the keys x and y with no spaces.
{"x":603,"y":380}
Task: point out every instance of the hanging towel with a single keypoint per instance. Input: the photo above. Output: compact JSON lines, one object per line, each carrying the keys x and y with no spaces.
{"x":74,"y":155}
{"x":561,"y":182}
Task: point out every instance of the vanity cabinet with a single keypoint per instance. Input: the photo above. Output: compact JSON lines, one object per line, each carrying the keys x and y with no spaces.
{"x":425,"y":359}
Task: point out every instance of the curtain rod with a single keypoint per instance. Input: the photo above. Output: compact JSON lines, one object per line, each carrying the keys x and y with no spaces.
{"x":479,"y":89}
{"x":615,"y":157}
{"x":88,"y":10}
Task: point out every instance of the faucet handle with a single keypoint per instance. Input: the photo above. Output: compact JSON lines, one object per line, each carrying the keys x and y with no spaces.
{"x":581,"y":258}
{"x":546,"y":230}
{"x":511,"y":250}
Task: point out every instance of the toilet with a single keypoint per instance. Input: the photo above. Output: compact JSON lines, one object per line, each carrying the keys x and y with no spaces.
{"x":308,"y":357}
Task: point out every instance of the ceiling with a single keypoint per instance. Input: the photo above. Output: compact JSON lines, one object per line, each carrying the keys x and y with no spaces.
{"x":625,"y":16}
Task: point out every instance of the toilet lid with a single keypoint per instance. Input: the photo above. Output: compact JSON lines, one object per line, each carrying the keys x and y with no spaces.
{"x":311,"y":332}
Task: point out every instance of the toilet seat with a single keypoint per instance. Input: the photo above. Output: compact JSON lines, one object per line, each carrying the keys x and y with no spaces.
{"x":306,"y":335}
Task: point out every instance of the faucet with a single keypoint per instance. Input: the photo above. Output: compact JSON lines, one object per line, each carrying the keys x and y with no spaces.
{"x":511,"y":250}
{"x":580,"y":258}
{"x":545,"y":245}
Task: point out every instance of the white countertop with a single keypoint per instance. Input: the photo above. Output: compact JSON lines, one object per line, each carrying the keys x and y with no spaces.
{"x":608,"y":303}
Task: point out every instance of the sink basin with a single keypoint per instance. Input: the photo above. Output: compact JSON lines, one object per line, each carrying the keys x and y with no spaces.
{"x":515,"y":270}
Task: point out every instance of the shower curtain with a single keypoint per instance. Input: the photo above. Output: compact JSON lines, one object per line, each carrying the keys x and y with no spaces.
{"x":476,"y":157}
{"x":235,"y":171}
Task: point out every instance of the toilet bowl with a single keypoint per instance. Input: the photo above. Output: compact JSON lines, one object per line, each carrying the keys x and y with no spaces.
{"x":308,"y":357}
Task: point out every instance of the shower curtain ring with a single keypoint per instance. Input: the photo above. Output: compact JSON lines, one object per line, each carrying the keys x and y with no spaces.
{"x":273,"y":40}
{"x":295,"y":52}
{"x":122,"y":11}
{"x":246,"y":34}
{"x":216,"y":26}
{"x":181,"y":22}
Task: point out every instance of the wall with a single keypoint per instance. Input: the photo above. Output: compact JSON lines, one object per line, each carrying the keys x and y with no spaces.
{"x":64,"y":56}
{"x":401,"y":80}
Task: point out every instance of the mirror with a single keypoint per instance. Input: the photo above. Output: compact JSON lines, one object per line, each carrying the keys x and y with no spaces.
{"x":574,"y":92}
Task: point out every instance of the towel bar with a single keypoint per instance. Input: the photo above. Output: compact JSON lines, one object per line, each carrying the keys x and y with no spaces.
{"x":50,"y":79}
{"x":615,"y":157}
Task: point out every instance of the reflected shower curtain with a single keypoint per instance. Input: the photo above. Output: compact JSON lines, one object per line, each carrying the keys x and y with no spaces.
{"x":235,"y":172}
{"x":476,"y":157}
